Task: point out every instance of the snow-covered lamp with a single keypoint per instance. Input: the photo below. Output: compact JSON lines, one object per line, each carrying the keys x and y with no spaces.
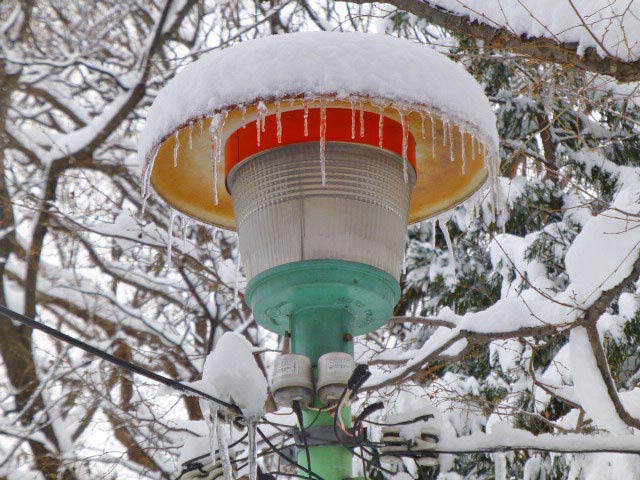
{"x":320,"y":148}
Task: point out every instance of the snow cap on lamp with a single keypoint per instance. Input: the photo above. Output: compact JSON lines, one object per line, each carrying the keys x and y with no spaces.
{"x":320,"y":147}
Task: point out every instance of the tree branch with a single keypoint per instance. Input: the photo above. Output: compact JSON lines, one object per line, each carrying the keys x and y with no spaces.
{"x":499,"y":38}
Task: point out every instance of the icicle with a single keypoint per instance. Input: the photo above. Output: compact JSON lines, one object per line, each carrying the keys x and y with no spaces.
{"x":433,"y":232}
{"x":362,"y":119}
{"x":424,"y":133}
{"x":186,"y":222}
{"x":213,"y":428}
{"x":380,"y":127}
{"x":444,"y":132}
{"x":405,"y":145}
{"x":260,"y":121}
{"x":353,"y":119}
{"x":262,"y":108}
{"x":253,"y":452}
{"x":145,"y":199}
{"x":306,"y":119}
{"x":190,"y":135}
{"x":279,"y":122}
{"x":433,"y":136}
{"x":451,"y":157}
{"x":404,"y":263}
{"x":235,"y":282}
{"x":244,"y":116}
{"x":212,"y":153}
{"x":176,"y":147}
{"x":215,"y":136}
{"x":172,"y":219}
{"x":473,"y":148}
{"x":500,"y":465}
{"x":464,"y":153}
{"x":323,"y":142}
{"x":223,"y":445}
{"x":146,"y":179}
{"x":447,"y":238}
{"x":222,"y":120}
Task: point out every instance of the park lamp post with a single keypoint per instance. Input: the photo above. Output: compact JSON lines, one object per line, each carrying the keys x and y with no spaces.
{"x":319,"y":159}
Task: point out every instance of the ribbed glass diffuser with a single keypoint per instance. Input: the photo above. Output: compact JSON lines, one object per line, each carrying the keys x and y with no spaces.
{"x":284,"y":214}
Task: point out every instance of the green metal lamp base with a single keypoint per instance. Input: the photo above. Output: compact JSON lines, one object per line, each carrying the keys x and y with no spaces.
{"x":330,"y":298}
{"x":322,"y":304}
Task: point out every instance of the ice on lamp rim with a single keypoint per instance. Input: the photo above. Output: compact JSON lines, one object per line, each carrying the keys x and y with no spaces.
{"x":319,"y":64}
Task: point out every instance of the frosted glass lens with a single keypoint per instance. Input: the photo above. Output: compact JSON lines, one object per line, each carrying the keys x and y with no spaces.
{"x":284,"y":214}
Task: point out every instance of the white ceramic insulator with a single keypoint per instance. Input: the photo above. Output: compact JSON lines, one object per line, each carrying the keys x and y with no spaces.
{"x":335,"y":369}
{"x":292,"y":378}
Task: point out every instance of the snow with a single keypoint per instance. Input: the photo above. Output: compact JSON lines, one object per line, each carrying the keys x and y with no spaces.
{"x":611,"y":27}
{"x":316,"y":64}
{"x":503,"y":435}
{"x":589,"y":384}
{"x":556,"y":378}
{"x":591,"y":270}
{"x":605,"y":466}
{"x":401,"y":476}
{"x":508,"y":352}
{"x":627,"y":304}
{"x":231,"y":374}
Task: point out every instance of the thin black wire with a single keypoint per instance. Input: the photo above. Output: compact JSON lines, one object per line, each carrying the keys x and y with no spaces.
{"x":357,"y":439}
{"x":170,"y":383}
{"x":396,"y":424}
{"x":286,"y":474}
{"x":113,"y":359}
{"x":161,"y":379}
{"x":285,"y":456}
{"x":298,"y":411}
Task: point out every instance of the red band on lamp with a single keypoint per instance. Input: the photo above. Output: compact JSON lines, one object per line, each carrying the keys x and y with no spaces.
{"x":243,"y":143}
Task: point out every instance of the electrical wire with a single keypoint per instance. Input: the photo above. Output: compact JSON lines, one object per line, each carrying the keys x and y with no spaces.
{"x":30,"y":322}
{"x":359,"y":377}
{"x":285,"y":456}
{"x":397,"y":424}
{"x":298,"y":411}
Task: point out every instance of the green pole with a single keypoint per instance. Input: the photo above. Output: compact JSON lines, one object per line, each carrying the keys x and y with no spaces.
{"x":323,"y":304}
{"x":314,"y":332}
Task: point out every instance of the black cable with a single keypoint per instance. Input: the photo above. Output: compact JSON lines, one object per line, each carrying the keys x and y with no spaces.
{"x":405,"y":422}
{"x":264,"y":476}
{"x":298,"y":411}
{"x":113,"y":359}
{"x":335,"y":423}
{"x":364,"y":467}
{"x":375,"y":464}
{"x":285,"y":456}
{"x":368,"y":410}
{"x":360,"y":375}
{"x":335,"y":417}
{"x":358,"y":381}
{"x":315,"y":419}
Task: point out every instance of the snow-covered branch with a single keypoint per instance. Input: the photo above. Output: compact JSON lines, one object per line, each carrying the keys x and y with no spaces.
{"x":608,"y":45}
